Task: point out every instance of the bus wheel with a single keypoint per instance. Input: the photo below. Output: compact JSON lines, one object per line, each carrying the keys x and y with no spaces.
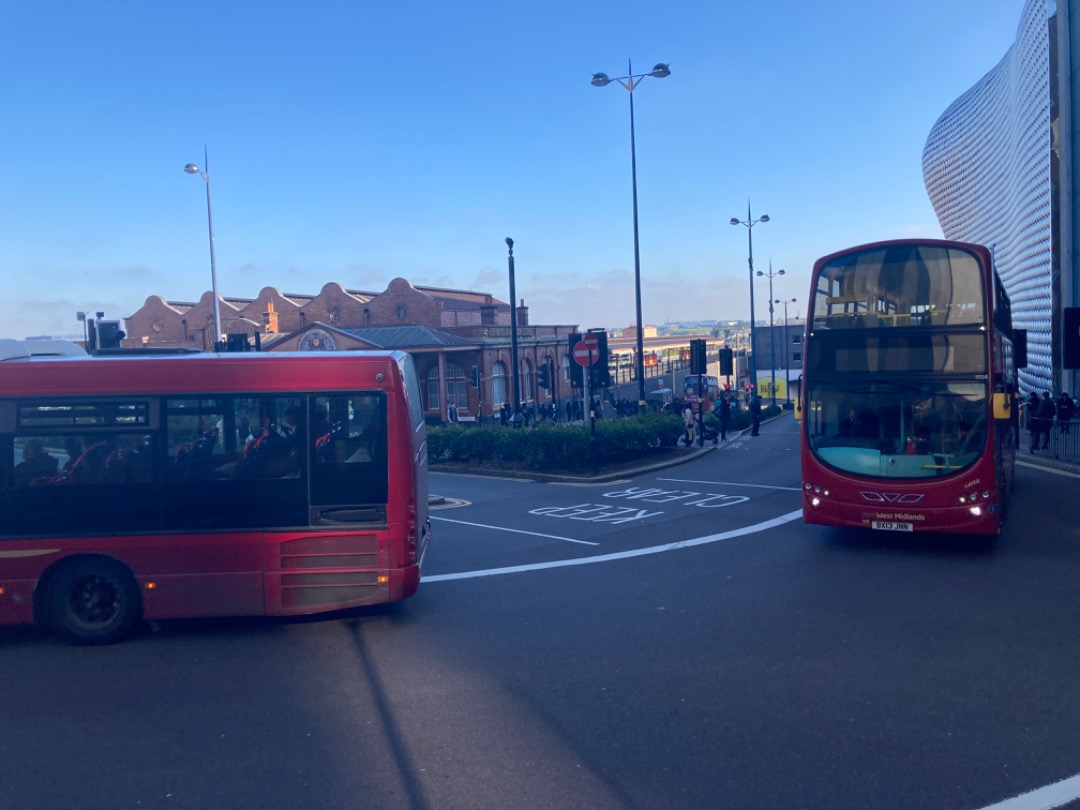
{"x":92,"y":602}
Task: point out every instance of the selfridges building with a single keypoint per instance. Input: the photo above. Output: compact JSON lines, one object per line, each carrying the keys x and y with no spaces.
{"x":987,"y":165}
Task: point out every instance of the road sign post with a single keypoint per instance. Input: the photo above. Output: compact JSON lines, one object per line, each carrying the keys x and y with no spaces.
{"x":585,"y":353}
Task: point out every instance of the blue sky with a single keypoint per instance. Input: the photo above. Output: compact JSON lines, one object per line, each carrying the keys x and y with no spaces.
{"x":357,"y":142}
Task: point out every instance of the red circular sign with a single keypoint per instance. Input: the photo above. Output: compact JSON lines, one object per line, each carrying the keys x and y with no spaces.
{"x":586,"y":351}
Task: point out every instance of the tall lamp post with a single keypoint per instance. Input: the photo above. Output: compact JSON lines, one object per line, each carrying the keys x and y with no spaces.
{"x":191,"y":168}
{"x":750,"y":222}
{"x":772,"y":334}
{"x":630,"y":82}
{"x":514,"y":417}
{"x":787,"y":365}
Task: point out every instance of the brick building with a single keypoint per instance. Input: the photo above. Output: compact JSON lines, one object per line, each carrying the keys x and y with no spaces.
{"x":446,"y":331}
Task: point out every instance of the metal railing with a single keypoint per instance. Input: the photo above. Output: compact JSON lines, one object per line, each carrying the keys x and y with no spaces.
{"x":1064,"y":442}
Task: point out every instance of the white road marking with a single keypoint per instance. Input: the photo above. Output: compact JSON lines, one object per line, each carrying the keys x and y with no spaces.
{"x":515,"y":531}
{"x":619,"y":555}
{"x":1050,"y":470}
{"x":1044,"y":798}
{"x":728,"y":484}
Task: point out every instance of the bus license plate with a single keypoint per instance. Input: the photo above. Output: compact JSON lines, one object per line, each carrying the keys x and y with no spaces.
{"x":892,"y":526}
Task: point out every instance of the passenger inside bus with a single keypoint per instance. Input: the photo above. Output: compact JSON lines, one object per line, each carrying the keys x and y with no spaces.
{"x":858,"y":424}
{"x":36,"y":464}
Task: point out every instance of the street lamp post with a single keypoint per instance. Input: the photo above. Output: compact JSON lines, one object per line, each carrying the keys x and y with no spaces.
{"x":514,"y":417}
{"x":772,"y":334}
{"x":750,"y":222}
{"x":191,"y":168}
{"x":787,"y":365}
{"x":630,"y":82}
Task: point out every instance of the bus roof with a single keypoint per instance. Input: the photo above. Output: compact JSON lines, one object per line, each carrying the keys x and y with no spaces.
{"x":27,"y":349}
{"x":202,"y":373}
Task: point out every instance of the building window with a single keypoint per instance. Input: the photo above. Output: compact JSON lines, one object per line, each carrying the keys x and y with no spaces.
{"x":434,"y":402}
{"x":335,"y":315}
{"x":457,"y":387}
{"x":498,"y":384}
{"x":796,"y":340}
{"x":565,"y":364}
{"x":796,"y":357}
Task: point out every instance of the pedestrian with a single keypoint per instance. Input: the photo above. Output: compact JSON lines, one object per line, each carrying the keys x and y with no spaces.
{"x":569,"y":410}
{"x":1066,"y":410}
{"x":1031,"y":412}
{"x":755,"y":415}
{"x":1046,"y":414}
{"x":504,"y":414}
{"x":724,"y":416}
{"x":688,"y":423}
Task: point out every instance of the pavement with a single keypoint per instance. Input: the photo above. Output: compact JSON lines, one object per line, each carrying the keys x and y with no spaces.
{"x":1045,"y":458}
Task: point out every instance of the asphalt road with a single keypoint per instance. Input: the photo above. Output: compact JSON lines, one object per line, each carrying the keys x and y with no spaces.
{"x":679,"y":639}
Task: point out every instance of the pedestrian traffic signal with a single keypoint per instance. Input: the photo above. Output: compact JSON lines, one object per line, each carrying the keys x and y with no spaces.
{"x":543,"y":377}
{"x":476,"y":376}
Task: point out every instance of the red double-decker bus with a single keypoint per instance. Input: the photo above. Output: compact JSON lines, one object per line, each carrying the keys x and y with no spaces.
{"x":909,"y":420}
{"x":160,"y":487}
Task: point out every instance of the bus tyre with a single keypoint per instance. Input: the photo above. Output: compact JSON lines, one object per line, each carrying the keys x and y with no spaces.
{"x":92,"y":602}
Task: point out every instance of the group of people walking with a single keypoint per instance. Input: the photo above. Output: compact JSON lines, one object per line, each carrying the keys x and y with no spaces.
{"x":1041,"y":415}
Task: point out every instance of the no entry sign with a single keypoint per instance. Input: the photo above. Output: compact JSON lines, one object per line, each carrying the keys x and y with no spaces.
{"x":586,"y":350}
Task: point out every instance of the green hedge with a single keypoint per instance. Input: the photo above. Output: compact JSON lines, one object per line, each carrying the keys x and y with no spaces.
{"x":562,"y":448}
{"x":548,"y":447}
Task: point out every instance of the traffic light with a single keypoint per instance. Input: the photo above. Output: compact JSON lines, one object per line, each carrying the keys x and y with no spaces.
{"x":727,"y":361}
{"x":577,"y":376}
{"x":476,"y":376}
{"x":601,"y":370}
{"x":543,"y":377}
{"x":109,"y":334}
{"x":697,"y":357}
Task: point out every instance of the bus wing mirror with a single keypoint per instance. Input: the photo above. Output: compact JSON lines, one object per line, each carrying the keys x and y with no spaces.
{"x":1002,"y":406}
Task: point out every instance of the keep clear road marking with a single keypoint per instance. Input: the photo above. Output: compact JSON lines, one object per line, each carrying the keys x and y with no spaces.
{"x":512,"y":531}
{"x":618,"y":555}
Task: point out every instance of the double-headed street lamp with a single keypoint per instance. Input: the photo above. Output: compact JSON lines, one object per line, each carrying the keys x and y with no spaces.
{"x":787,"y":365}
{"x":630,"y":82}
{"x":772,"y":334}
{"x":191,"y":168}
{"x":750,"y":222}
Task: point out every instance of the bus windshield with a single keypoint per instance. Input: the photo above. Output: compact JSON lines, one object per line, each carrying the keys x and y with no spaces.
{"x":900,"y":285}
{"x":893,"y":430}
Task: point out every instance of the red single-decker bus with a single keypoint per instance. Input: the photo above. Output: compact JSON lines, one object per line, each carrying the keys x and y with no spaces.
{"x":161,"y":487}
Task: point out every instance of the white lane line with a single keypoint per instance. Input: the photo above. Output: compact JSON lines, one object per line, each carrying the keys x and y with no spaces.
{"x":515,"y":531}
{"x":727,"y":484}
{"x":1052,"y":470}
{"x":1044,"y":798}
{"x":620,"y":555}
